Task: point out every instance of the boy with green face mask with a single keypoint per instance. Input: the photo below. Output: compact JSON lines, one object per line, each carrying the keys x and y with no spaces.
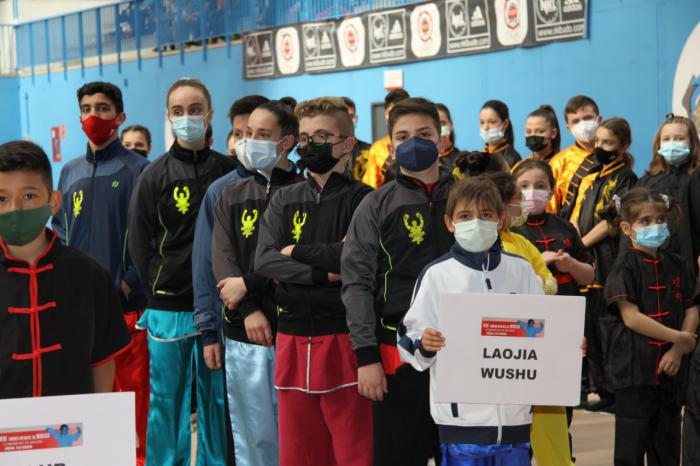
{"x":61,"y":324}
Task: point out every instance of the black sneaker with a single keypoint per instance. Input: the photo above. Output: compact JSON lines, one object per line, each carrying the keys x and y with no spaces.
{"x":604,"y":406}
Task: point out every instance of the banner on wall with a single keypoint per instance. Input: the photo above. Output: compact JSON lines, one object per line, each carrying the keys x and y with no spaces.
{"x":425,"y":31}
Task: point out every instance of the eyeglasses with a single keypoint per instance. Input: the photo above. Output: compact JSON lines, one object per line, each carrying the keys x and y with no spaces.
{"x":318,"y":138}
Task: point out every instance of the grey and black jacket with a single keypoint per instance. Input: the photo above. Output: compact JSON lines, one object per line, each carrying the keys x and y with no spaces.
{"x":237,"y":217}
{"x":162,"y":218}
{"x":315,"y":221}
{"x":396,"y":231}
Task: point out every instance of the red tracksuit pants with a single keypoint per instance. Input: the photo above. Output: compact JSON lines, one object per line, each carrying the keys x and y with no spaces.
{"x":133,"y":376}
{"x":322,"y":418}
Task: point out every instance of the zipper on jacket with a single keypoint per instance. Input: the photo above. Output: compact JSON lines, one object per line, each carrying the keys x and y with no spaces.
{"x":267,"y":190}
{"x":196,"y":172}
{"x":92,"y":199}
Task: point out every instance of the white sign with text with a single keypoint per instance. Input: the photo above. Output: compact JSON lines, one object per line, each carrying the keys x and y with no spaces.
{"x":510,"y":349}
{"x":79,"y":430}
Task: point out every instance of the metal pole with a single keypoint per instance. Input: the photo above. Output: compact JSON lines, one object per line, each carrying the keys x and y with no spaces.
{"x":82,"y":44}
{"x":118,"y":37}
{"x":98,"y":20}
{"x":47,"y":52}
{"x":64,"y":47}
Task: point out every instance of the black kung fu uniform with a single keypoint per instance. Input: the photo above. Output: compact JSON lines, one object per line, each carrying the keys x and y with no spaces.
{"x":676,"y":184}
{"x":613,"y":179}
{"x":648,"y":404}
{"x":552,"y":233}
{"x":59,"y":318}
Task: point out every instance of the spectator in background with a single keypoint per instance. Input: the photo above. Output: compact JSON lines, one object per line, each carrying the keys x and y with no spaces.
{"x":360,"y":153}
{"x":137,"y":139}
{"x":379,"y":163}
{"x":230,"y":144}
{"x":496,"y":130}
{"x":449,"y":153}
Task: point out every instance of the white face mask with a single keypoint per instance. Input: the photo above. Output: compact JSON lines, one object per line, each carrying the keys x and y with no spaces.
{"x":239,"y":150}
{"x":476,"y":235}
{"x":259,"y":155}
{"x":492,"y":136}
{"x":584,"y":131}
{"x":518,"y":220}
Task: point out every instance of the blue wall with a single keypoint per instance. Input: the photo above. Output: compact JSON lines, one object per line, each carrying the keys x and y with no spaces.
{"x":10,"y":126}
{"x":627,"y":65}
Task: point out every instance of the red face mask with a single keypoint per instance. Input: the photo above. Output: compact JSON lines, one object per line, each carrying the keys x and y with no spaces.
{"x":98,"y":130}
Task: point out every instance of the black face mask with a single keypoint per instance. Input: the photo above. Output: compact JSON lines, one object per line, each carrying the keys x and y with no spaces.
{"x":605,"y":156}
{"x":317,"y":158}
{"x":535,"y":143}
{"x":141,"y":152}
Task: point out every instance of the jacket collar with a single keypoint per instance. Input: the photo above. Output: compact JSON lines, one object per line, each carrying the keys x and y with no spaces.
{"x":336,"y":182}
{"x":416,"y":185}
{"x":103,"y":155}
{"x":188,"y":156}
{"x":481,"y":261}
{"x":46,"y":255}
{"x":278,"y":177}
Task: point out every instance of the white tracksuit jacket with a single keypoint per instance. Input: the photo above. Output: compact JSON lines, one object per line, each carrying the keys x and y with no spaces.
{"x":460,"y":271}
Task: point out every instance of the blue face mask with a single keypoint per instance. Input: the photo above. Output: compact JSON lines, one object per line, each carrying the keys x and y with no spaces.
{"x":189,"y":128}
{"x":652,"y":236}
{"x":416,"y":154}
{"x":674,"y":152}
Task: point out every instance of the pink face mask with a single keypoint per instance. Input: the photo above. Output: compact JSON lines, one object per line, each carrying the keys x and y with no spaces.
{"x":536,"y":200}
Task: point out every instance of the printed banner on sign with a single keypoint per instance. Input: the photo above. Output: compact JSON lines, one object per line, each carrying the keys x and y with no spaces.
{"x":426,"y":36}
{"x":41,"y":437}
{"x":81,"y":430}
{"x":288,"y":50}
{"x":351,"y":42}
{"x":387,"y":36}
{"x":259,"y":59}
{"x":510,"y":349}
{"x":431,"y":30}
{"x":559,"y":19}
{"x":467,"y":26}
{"x":320,"y":52}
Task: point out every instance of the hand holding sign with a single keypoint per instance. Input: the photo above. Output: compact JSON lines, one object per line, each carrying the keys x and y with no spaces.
{"x":432,"y":340}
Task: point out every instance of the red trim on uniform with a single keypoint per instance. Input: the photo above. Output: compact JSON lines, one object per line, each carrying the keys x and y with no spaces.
{"x":564,"y":278}
{"x":658,"y":315}
{"x":33,"y":311}
{"x":652,"y":261}
{"x":112,"y":356}
{"x":657,"y":288}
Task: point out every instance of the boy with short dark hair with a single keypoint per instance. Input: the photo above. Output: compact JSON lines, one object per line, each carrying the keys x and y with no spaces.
{"x":394,"y":233}
{"x":322,"y":419}
{"x":61,"y":325}
{"x":470,"y":434}
{"x":572,"y":164}
{"x":97,"y":188}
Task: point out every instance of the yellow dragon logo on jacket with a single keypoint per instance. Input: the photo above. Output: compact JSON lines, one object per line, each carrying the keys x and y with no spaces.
{"x":182,"y":199}
{"x":606,"y":196}
{"x":248,"y":222}
{"x":415,"y":228}
{"x":77,"y":203}
{"x":299,"y":221}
